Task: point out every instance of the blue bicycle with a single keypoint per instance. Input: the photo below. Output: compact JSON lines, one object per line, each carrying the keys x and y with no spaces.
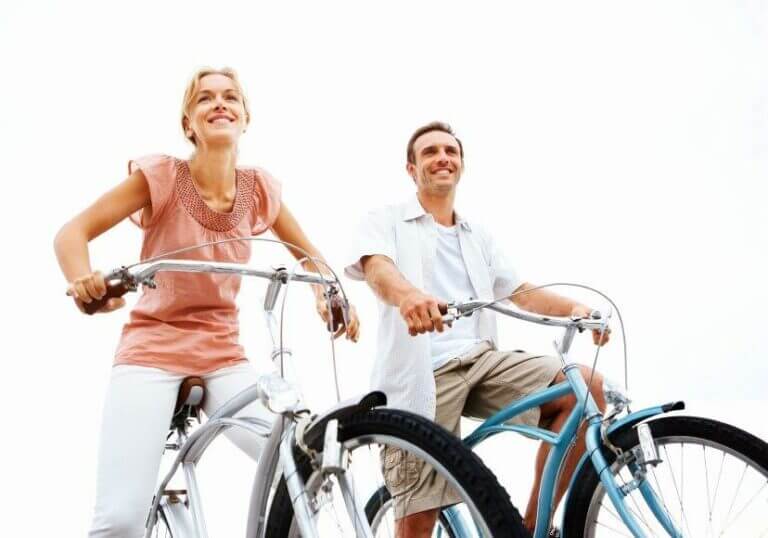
{"x":644,"y":474}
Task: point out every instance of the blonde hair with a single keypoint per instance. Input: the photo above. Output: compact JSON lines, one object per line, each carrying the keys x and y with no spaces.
{"x":194,"y":84}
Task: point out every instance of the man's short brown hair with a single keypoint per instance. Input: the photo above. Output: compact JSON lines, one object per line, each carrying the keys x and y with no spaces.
{"x":434,"y":126}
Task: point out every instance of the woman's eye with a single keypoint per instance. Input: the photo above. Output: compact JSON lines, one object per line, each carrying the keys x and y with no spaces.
{"x":232,"y":98}
{"x":202,"y":98}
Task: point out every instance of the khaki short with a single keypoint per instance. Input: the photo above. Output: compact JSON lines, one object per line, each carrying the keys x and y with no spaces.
{"x":477,"y":385}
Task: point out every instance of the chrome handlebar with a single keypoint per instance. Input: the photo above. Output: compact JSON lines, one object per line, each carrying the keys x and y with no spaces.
{"x":126,"y":279}
{"x":596,"y":320}
{"x":145,"y":273}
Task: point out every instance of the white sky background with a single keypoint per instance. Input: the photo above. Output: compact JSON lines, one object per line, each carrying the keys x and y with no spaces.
{"x":618,"y":144}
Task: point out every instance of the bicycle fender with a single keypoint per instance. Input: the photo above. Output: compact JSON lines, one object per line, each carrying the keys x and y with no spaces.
{"x":314,"y":436}
{"x":629,"y":421}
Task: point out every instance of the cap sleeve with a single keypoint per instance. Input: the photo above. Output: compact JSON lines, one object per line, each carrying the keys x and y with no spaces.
{"x":374,"y":235}
{"x":160,"y":173}
{"x":267,"y":191}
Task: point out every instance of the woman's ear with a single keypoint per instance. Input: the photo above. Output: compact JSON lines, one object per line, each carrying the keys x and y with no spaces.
{"x":187,"y":129}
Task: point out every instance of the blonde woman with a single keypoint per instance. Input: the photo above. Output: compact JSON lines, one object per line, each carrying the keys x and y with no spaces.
{"x":188,"y":325}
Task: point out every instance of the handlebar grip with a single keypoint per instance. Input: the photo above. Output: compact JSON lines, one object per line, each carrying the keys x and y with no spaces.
{"x":448,"y":319}
{"x":337,"y":318}
{"x":114,"y":291}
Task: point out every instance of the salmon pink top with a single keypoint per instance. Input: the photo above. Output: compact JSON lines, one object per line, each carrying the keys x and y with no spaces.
{"x":189,"y":323}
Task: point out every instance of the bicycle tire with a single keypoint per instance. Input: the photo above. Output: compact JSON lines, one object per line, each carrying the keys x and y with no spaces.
{"x":581,"y":518}
{"x":481,"y":486}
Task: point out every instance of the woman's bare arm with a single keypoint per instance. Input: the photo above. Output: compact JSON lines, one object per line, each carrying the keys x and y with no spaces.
{"x":287,"y":229}
{"x":71,"y":242}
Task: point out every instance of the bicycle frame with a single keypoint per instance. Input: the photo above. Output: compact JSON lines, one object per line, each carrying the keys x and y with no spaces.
{"x":191,"y":522}
{"x":561,"y":441}
{"x":277,"y":450}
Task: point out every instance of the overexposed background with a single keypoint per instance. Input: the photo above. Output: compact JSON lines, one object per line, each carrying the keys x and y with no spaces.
{"x":618,"y":144}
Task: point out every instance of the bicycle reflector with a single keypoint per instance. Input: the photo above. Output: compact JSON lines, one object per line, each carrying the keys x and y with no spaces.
{"x":647,"y":445}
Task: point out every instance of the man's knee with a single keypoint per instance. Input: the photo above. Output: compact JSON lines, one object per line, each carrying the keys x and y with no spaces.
{"x":561,"y":405}
{"x":595,"y":381}
{"x":594,"y":378}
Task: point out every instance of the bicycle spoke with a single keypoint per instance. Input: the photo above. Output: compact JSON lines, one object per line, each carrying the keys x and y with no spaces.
{"x":660,"y":490}
{"x":719,"y":476}
{"x":679,"y":497}
{"x":337,"y":520}
{"x":380,"y":483}
{"x":709,"y":501}
{"x":351,"y":501}
{"x":609,"y":509}
{"x":750,"y":501}
{"x":613,"y":529}
{"x":736,"y":493}
{"x":638,"y":515}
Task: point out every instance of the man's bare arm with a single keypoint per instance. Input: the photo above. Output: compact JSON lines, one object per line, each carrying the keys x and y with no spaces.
{"x":420,"y":311}
{"x":544,"y":302}
{"x":547,"y":303}
{"x":389,"y":285}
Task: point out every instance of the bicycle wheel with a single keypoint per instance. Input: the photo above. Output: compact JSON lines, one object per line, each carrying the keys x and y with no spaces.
{"x":363,"y":436}
{"x":712,"y":481}
{"x":380,"y":515}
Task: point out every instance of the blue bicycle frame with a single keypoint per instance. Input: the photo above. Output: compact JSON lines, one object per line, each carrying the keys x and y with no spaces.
{"x":561,"y":441}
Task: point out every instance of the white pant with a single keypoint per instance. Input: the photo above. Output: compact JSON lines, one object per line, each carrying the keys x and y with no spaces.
{"x":137,"y":415}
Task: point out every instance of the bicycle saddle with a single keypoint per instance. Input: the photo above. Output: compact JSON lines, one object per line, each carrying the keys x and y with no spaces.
{"x":191,"y":394}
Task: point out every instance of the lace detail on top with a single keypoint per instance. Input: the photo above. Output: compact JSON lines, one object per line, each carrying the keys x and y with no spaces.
{"x":201,"y":212}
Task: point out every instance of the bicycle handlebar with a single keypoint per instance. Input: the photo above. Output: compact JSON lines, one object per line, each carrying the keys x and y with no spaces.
{"x":459,"y":310}
{"x":121,"y":281}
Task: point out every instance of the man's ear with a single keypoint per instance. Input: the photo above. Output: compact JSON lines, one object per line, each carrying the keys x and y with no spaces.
{"x":411,"y":169}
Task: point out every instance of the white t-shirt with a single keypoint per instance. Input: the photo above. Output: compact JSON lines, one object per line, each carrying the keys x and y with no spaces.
{"x":451,"y":283}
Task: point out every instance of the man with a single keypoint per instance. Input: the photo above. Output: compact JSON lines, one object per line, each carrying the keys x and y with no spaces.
{"x":416,"y":257}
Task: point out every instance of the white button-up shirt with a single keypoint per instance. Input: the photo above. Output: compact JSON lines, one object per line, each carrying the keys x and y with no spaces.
{"x":407,"y":235}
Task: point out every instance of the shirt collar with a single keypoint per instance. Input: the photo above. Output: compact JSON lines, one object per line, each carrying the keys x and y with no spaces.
{"x":414,"y":210}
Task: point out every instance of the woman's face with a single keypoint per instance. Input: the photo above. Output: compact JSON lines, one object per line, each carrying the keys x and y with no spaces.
{"x":216,"y":115}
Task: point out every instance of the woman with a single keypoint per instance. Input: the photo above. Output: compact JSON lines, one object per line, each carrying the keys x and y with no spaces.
{"x":188,"y":325}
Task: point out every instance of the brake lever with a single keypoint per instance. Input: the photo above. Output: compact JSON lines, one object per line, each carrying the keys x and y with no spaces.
{"x":593,"y":315}
{"x":451,"y":313}
{"x":339,"y":314}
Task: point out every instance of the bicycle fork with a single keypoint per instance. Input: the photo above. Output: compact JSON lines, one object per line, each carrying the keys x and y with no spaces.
{"x":333,"y":463}
{"x":594,"y":443}
{"x":637,"y":464}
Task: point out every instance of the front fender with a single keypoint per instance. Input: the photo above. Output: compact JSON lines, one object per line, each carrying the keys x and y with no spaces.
{"x":314,"y":435}
{"x":629,"y":421}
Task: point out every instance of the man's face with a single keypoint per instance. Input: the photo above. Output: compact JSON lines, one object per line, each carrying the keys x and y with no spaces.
{"x":438,"y":165}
